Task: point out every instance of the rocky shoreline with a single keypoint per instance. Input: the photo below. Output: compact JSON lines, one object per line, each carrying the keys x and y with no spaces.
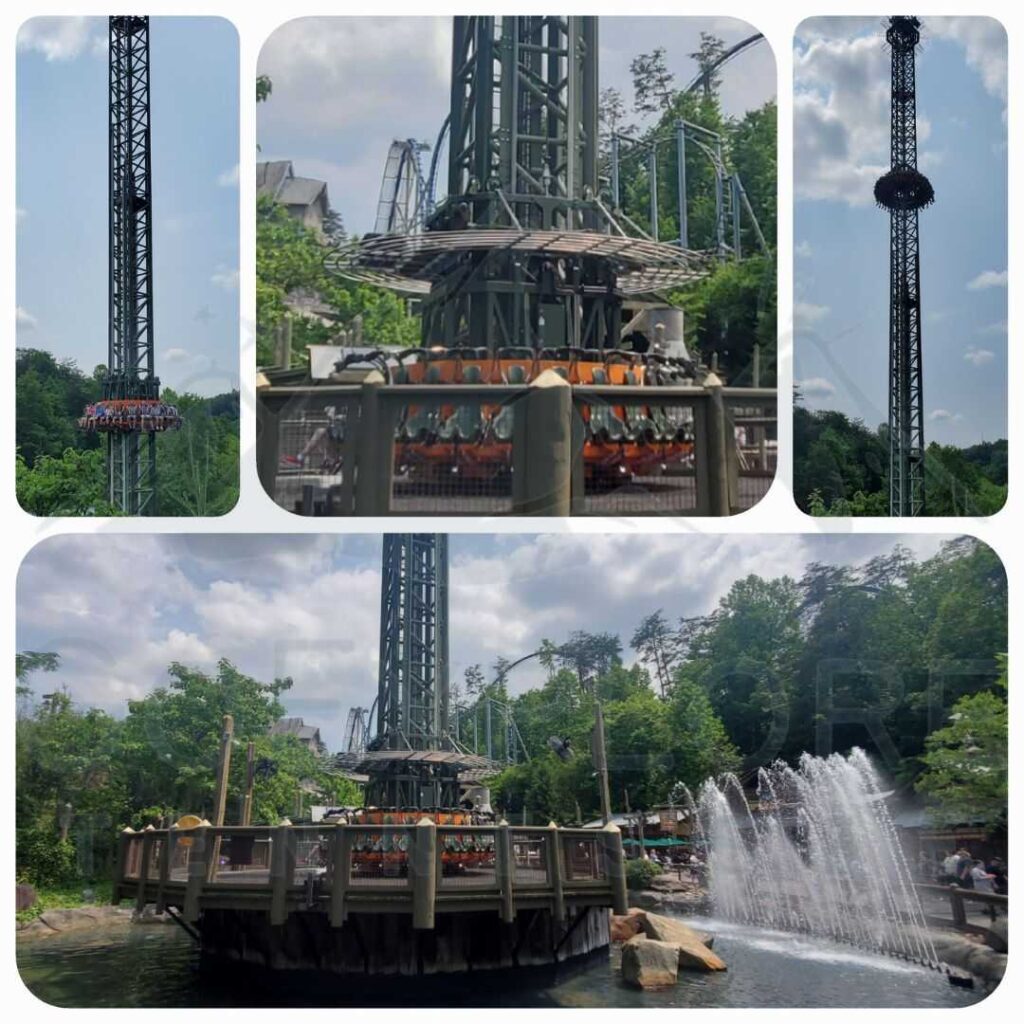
{"x":61,"y":920}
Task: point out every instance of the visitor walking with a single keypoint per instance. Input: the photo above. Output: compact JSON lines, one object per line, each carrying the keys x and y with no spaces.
{"x":982,"y":881}
{"x":950,"y":868}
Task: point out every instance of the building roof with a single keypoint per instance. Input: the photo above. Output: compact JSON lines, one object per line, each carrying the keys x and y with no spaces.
{"x":295,"y":727}
{"x":276,"y":178}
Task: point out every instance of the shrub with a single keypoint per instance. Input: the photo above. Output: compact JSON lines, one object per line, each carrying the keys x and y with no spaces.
{"x":44,"y":859}
{"x":641,"y":872}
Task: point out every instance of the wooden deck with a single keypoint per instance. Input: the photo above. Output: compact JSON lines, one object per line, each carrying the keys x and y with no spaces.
{"x":417,"y":870}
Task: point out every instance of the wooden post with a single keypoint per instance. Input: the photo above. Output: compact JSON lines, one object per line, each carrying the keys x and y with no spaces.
{"x":542,"y":448}
{"x":424,"y":873}
{"x":166,"y":849}
{"x":506,"y":871}
{"x":196,"y":872}
{"x":250,"y":781}
{"x":221,"y":797}
{"x":615,"y":865}
{"x":956,"y":907}
{"x":555,"y":871}
{"x":375,"y":451}
{"x":121,"y":866}
{"x":341,"y":866}
{"x":282,"y":870}
{"x":717,"y":451}
{"x":601,"y":762}
{"x":147,"y":852}
{"x":268,"y":444}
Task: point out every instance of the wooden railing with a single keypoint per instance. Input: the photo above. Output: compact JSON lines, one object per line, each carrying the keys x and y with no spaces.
{"x":958,"y":920}
{"x":419,"y":870}
{"x":546,"y":437}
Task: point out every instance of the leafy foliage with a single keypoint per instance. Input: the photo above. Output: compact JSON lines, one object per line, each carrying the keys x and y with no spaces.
{"x":61,"y":470}
{"x":160,"y":760}
{"x":735,"y":306}
{"x":640,"y":872}
{"x":289,"y":261}
{"x":842,"y":468}
{"x":966,"y":763}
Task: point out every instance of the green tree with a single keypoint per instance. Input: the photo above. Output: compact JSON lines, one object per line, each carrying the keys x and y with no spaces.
{"x":290,"y":259}
{"x":73,"y":485}
{"x":966,"y":762}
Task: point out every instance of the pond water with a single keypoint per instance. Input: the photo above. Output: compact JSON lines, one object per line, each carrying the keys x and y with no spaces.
{"x":157,"y":966}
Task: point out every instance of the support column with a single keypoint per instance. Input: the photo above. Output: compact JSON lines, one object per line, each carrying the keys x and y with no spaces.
{"x":424,"y":874}
{"x":542,"y":448}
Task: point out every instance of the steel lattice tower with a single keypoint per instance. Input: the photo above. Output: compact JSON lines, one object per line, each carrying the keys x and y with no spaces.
{"x":412,"y":690}
{"x":131,"y":454}
{"x":903,"y":191}
{"x":523,"y":154}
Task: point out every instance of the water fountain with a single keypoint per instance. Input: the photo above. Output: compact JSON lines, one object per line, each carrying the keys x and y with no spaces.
{"x":818,"y":855}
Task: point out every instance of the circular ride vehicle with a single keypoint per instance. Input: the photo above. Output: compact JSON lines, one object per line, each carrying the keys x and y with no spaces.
{"x":379,"y":852}
{"x":129,"y":415}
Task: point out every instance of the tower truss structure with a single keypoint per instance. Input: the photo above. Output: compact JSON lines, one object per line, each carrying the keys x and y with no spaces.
{"x":522,"y":253}
{"x":903,"y":190}
{"x":412,"y":689}
{"x":131,"y":453}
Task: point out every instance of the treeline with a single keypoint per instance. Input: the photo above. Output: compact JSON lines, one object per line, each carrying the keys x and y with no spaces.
{"x":61,"y":470}
{"x":734,"y":308}
{"x":876,"y":656}
{"x":83,"y":775}
{"x":840,"y":467}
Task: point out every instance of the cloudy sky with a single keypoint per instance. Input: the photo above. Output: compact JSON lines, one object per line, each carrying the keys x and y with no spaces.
{"x":344,"y":88}
{"x":841,"y":139}
{"x":62,"y":195}
{"x":120,"y":608}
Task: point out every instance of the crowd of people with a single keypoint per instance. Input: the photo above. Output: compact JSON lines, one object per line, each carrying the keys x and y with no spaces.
{"x":130,"y":415}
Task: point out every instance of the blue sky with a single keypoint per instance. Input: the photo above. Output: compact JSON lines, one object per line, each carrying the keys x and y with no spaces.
{"x":307,"y":606}
{"x":345,"y":87}
{"x":62,"y":195}
{"x":841,"y":139}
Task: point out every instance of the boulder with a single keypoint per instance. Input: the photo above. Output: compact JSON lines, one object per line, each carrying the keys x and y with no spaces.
{"x":694,"y":946}
{"x":647,"y":963}
{"x":624,"y":926}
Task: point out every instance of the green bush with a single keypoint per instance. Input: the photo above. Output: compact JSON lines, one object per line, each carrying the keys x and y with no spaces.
{"x":44,"y":859}
{"x":640,"y":873}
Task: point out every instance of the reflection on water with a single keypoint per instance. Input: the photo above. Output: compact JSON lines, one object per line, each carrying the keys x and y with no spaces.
{"x":157,"y":965}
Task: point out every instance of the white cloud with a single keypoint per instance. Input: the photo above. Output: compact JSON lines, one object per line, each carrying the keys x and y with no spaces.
{"x":816,"y":387}
{"x":979,"y":356}
{"x":804,"y":249}
{"x":24,"y":320}
{"x":225,"y":278}
{"x":806,"y":314}
{"x":229,"y":177}
{"x":945,"y":416}
{"x":61,"y":39}
{"x":841,"y":116}
{"x":176,"y":355}
{"x":999,"y":327}
{"x":988,"y":279}
{"x":984,"y":43}
{"x":272,"y":604}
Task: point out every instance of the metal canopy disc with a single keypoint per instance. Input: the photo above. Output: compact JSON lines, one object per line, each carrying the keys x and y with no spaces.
{"x":412,"y":263}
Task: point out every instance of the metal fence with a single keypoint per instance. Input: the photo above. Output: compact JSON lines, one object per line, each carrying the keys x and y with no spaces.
{"x":453,"y":449}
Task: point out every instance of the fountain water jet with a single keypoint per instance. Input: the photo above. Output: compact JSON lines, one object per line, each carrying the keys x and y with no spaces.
{"x":819,"y":855}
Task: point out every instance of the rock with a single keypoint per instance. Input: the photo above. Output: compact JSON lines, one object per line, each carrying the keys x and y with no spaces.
{"x":624,"y":926}
{"x":36,"y":927}
{"x":668,"y":929}
{"x":693,"y":946}
{"x":648,"y":964}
